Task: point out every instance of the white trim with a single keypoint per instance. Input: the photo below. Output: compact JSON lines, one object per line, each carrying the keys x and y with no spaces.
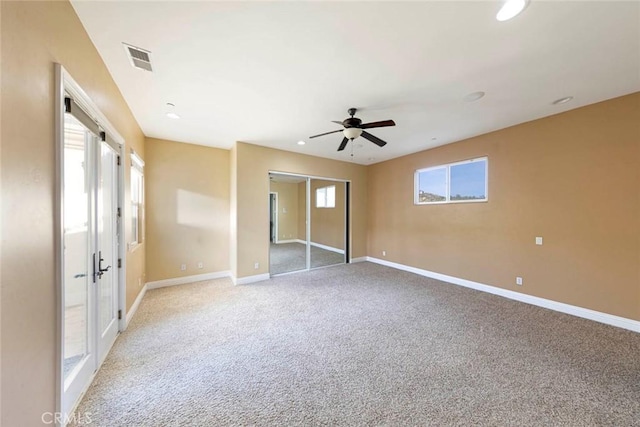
{"x":187,"y":279}
{"x":317,"y":245}
{"x":135,"y":305}
{"x":59,"y":239}
{"x":305,"y":176}
{"x":359,"y":259}
{"x":585,"y":313}
{"x":328,"y":248}
{"x":81,"y":98}
{"x":250,"y":279}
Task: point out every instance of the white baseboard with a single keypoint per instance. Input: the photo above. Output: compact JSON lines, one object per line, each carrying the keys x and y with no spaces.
{"x":317,"y":245}
{"x":359,"y":259}
{"x":187,"y":279}
{"x":327,"y":248}
{"x":250,"y":279}
{"x":136,"y":304}
{"x":609,"y":319}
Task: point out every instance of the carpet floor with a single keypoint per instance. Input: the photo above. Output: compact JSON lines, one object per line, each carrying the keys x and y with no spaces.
{"x":288,"y":257}
{"x":361,"y":344}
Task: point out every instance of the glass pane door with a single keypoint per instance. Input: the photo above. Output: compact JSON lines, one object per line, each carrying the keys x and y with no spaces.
{"x":90,"y":254}
{"x":106,"y":220}
{"x":77,"y":264}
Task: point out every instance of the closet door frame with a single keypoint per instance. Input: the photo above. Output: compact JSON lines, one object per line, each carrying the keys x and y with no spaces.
{"x":347,"y":213}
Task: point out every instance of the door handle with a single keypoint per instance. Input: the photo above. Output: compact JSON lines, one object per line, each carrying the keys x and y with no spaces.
{"x":101,"y":270}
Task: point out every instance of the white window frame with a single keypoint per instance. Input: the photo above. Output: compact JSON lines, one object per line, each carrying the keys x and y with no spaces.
{"x":447,"y":166}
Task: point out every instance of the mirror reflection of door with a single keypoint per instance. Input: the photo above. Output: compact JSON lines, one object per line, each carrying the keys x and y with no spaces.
{"x":328,"y":223}
{"x":288,"y":215}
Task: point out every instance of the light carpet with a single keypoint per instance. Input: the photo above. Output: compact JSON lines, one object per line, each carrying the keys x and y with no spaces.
{"x":361,"y":344}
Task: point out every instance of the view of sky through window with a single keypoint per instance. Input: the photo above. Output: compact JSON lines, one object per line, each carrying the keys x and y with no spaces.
{"x":468,"y":181}
{"x":464,"y":181}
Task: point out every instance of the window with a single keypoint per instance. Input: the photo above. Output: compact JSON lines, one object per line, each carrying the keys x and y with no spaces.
{"x":452,"y":183}
{"x":137,"y":199}
{"x":326,"y":197}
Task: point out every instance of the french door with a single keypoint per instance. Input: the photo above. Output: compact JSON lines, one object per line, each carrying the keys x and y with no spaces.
{"x":90,"y":251}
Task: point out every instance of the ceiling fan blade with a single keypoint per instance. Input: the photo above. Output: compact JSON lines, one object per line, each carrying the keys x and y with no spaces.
{"x":381,"y":124}
{"x":326,"y":133}
{"x":336,"y":122}
{"x":343,"y":144}
{"x":374,"y":139}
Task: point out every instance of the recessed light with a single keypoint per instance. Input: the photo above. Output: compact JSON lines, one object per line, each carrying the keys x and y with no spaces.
{"x":301,"y":142}
{"x":371,"y":159}
{"x":170,"y":113}
{"x":474,"y":96}
{"x":562,"y":100}
{"x":510,"y":9}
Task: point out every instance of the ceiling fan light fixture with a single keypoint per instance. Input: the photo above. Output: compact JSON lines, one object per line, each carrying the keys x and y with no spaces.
{"x":510,"y":9}
{"x":352,"y":133}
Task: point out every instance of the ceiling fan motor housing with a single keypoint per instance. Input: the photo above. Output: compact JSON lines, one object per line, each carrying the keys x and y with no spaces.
{"x":352,"y":122}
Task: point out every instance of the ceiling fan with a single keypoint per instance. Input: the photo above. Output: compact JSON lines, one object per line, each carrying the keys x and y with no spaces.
{"x":353,"y":128}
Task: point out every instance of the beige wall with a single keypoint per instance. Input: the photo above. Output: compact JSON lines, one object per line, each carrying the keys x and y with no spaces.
{"x":572,"y":178}
{"x":34,"y":36}
{"x":187,"y":204}
{"x":288,"y":212}
{"x":253,"y":164}
{"x":328,"y":224}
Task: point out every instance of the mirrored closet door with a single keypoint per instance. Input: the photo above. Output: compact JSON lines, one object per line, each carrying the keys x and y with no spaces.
{"x":308,"y":222}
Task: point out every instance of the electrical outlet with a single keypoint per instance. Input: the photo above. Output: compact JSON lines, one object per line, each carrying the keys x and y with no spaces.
{"x":538,"y":240}
{"x":200,"y":264}
{"x":256,"y":265}
{"x":384,"y":253}
{"x":183,"y":267}
{"x":519,"y":281}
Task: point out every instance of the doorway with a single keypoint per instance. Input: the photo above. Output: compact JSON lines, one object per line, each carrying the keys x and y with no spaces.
{"x":311,"y":219}
{"x":90,"y":247}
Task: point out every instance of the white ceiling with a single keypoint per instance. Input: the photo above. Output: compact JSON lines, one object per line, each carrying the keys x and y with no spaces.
{"x":274,"y":73}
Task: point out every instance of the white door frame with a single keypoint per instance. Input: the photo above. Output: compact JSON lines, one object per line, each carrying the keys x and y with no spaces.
{"x":66,"y":84}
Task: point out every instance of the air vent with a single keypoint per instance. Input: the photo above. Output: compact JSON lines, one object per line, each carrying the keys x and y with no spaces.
{"x":139,"y":58}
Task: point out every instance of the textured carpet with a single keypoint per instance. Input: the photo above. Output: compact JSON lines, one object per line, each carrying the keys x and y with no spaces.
{"x":287,"y":257}
{"x":361,"y":344}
